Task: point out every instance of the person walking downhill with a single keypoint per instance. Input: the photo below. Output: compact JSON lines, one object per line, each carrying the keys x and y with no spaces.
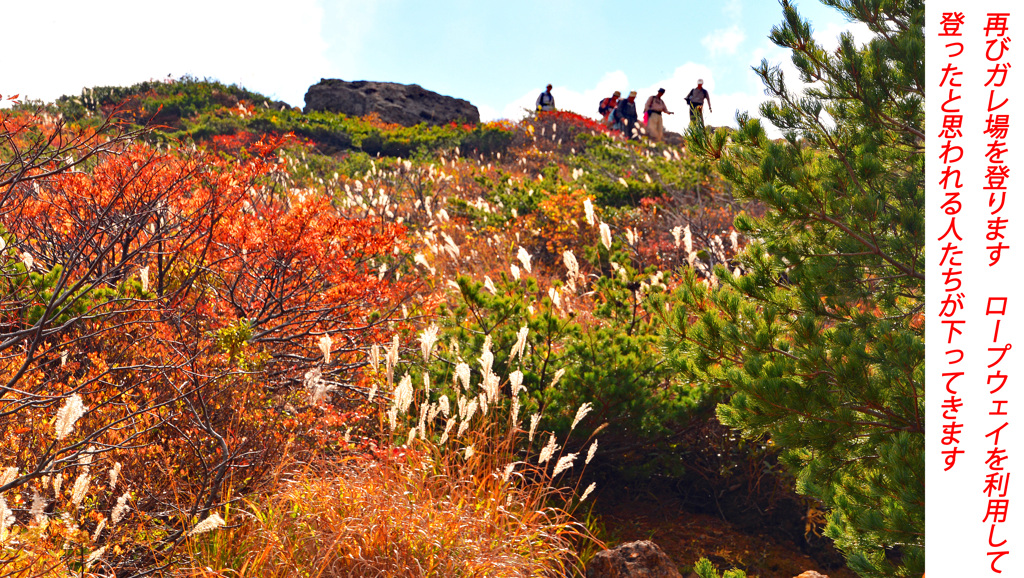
{"x":696,"y":99}
{"x":625,"y":113}
{"x":607,"y":107}
{"x":653,"y":110}
{"x":546,"y":101}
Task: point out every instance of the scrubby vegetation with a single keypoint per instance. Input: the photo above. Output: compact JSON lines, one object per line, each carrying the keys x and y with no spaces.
{"x":232,"y":306}
{"x":242,"y":340}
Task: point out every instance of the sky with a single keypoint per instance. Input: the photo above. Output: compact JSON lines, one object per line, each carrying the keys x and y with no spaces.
{"x":499,"y":55}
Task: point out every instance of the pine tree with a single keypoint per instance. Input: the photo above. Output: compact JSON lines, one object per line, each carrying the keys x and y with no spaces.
{"x":821,"y":340}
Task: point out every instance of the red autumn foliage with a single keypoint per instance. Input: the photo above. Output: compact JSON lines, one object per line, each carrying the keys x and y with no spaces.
{"x":180,"y":294}
{"x":572,"y":120}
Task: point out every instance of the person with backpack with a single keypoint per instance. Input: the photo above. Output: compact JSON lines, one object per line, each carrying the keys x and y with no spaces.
{"x":607,"y":106}
{"x":546,"y":101}
{"x":652,"y":115}
{"x":696,"y":99}
{"x":625,"y":113}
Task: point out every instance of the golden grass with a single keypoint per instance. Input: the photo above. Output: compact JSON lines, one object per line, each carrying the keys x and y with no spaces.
{"x":477,"y":504}
{"x":399,"y":517}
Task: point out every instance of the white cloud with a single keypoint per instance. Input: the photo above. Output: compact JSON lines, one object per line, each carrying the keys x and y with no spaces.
{"x":733,"y":9}
{"x":65,"y":45}
{"x":829,"y":37}
{"x":488,"y":113}
{"x":724,"y":40}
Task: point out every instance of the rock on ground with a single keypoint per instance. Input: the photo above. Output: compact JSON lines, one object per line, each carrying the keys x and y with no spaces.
{"x":404,"y":104}
{"x":642,"y":559}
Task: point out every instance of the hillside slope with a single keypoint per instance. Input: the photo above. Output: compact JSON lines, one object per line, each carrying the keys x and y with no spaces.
{"x":299,"y":273}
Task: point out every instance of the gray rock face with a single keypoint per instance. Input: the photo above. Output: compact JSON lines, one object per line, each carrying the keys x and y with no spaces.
{"x":404,"y":104}
{"x":642,"y":559}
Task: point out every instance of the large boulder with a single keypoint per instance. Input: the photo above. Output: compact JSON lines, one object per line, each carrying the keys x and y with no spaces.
{"x":404,"y":104}
{"x":642,"y":559}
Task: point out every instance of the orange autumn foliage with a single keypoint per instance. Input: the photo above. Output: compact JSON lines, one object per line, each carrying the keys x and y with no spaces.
{"x":179,"y":295}
{"x":560,"y":221}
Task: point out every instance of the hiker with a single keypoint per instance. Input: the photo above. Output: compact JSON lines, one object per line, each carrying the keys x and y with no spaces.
{"x":696,"y":99}
{"x":614,"y":119}
{"x":546,"y":101}
{"x":607,"y":107}
{"x":652,"y":115}
{"x":625,"y":114}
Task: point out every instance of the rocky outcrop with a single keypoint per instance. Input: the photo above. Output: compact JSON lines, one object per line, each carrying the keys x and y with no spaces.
{"x":642,"y":559}
{"x":404,"y":104}
{"x":674,"y":139}
{"x":811,"y":574}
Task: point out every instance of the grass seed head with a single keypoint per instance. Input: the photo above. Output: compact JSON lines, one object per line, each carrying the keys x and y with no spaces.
{"x":212,"y":522}
{"x":68,"y":415}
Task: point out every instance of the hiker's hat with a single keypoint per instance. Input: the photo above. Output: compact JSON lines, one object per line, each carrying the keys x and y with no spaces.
{"x":700,"y":81}
{"x":632,"y":93}
{"x":661,"y":90}
{"x":616,"y":93}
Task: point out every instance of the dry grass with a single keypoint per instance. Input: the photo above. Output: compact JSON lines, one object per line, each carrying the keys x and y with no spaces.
{"x":399,"y":517}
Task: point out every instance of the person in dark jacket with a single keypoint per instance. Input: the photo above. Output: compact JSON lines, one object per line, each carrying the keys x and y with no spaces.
{"x":546,"y":101}
{"x":625,"y":113}
{"x":607,"y":107}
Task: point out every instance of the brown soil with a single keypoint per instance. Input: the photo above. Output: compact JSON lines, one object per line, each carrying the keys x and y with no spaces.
{"x":686,"y":537}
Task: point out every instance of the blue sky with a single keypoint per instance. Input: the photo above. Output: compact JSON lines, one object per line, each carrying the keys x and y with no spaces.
{"x":497,"y":55}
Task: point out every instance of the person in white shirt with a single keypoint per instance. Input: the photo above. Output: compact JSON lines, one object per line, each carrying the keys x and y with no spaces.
{"x":696,"y":99}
